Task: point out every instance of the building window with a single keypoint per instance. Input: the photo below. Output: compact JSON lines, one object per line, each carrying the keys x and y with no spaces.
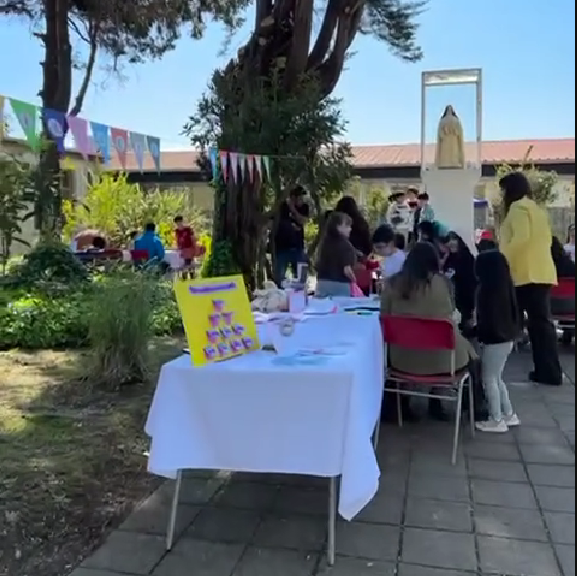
{"x":67,"y":184}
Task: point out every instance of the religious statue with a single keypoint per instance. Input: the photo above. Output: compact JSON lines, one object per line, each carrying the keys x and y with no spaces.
{"x":450,"y":152}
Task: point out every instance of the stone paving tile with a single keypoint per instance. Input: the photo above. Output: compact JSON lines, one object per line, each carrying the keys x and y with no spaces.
{"x":550,"y":454}
{"x":128,"y":552}
{"x":264,"y":562}
{"x":89,"y":572}
{"x":566,"y":556}
{"x":491,"y":451}
{"x":354,"y":567}
{"x":301,"y":500}
{"x":247,"y":495}
{"x":503,"y":494}
{"x":547,"y":475}
{"x":298,"y":533}
{"x":510,"y":523}
{"x":408,"y":570}
{"x":516,"y":557}
{"x":556,"y":499}
{"x":200,"y":558}
{"x":439,"y":549}
{"x":498,"y":471}
{"x":152,"y":516}
{"x":434,"y":487}
{"x":226,"y":525}
{"x":383,"y":509}
{"x":561,"y":527}
{"x":423,"y":513}
{"x":371,"y":541}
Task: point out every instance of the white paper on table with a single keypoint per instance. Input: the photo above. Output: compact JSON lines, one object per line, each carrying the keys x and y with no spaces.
{"x":320,"y":306}
{"x":297,"y":301}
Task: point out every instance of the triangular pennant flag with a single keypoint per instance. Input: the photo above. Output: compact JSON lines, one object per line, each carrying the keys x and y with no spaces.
{"x":153,"y":144}
{"x":138,"y":143}
{"x":251,"y":167}
{"x":2,"y":125}
{"x":234,"y":165}
{"x":120,"y":143}
{"x":258,"y":164}
{"x":266,"y":164}
{"x":213,"y":156}
{"x":56,"y":126}
{"x":26,"y":116}
{"x":242,"y":165}
{"x":100,"y":137}
{"x":224,"y":163}
{"x":79,"y":130}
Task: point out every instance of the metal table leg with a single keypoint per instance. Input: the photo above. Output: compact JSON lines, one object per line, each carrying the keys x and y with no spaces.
{"x":332,"y":528}
{"x":174,"y":511}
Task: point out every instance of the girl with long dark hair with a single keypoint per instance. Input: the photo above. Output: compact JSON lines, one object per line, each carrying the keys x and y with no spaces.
{"x":337,"y":257}
{"x":525,"y":240}
{"x":498,"y":323}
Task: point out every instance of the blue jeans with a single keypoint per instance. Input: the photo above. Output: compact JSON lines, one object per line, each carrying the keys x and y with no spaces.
{"x":494,"y":358}
{"x":284,"y":259}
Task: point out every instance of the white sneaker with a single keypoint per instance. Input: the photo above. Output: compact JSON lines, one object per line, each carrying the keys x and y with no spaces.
{"x":492,"y":426}
{"x":512,"y":421}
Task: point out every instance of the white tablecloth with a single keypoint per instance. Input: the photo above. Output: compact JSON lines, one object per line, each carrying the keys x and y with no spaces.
{"x":255,"y":413}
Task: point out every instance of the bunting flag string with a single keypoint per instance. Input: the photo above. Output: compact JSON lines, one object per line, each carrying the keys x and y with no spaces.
{"x":103,"y":140}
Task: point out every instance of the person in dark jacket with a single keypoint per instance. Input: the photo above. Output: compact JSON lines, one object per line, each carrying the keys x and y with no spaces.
{"x":565,"y":269}
{"x":459,"y":267}
{"x":498,"y":321}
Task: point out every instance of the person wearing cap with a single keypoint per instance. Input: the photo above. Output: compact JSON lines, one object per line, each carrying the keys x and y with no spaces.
{"x":399,"y":214}
{"x":290,"y":236}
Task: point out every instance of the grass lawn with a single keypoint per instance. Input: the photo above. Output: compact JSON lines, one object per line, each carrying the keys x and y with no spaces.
{"x":72,"y":461}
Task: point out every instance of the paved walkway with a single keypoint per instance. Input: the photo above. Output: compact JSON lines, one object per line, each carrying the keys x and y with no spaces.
{"x":506,"y":509}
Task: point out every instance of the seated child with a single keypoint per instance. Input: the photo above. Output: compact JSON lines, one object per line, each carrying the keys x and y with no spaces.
{"x":385,"y":244}
{"x":498,"y":322}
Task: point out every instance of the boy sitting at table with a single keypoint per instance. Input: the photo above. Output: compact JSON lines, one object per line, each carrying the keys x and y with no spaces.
{"x":385,"y":244}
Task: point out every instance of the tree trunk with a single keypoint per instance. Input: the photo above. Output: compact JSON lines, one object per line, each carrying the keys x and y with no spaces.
{"x":55,"y":94}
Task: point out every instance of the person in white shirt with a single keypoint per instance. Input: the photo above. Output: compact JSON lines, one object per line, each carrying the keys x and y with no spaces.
{"x":400,"y":214}
{"x":570,"y":246}
{"x":384,"y":244}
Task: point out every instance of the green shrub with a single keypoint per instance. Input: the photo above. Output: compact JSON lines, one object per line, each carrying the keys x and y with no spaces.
{"x":220,"y":261}
{"x":120,"y":327}
{"x":40,"y":321}
{"x":50,"y":262}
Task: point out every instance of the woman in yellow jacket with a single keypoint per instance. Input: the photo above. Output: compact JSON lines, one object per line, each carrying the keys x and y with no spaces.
{"x":525,"y":240}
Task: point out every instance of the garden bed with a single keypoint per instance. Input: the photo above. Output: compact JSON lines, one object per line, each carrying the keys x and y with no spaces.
{"x":73,"y":458}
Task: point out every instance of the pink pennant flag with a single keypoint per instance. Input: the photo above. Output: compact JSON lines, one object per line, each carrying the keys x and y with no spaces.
{"x":224,"y":164}
{"x":234,"y":165}
{"x":258,"y":164}
{"x":79,"y":130}
{"x":251,"y":167}
{"x":120,"y":143}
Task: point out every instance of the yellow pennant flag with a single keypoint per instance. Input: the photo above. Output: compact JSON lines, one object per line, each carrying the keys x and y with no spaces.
{"x":2,"y":121}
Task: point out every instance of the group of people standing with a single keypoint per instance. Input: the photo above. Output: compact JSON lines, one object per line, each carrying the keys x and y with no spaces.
{"x":490,"y":296}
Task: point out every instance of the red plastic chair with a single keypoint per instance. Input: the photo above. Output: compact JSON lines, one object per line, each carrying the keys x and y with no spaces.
{"x":428,"y":334}
{"x":139,"y":256}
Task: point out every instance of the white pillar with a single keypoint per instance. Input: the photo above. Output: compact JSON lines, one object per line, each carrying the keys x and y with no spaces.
{"x":452,"y":197}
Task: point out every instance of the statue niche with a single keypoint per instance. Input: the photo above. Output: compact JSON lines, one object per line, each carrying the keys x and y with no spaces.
{"x":450,"y":151}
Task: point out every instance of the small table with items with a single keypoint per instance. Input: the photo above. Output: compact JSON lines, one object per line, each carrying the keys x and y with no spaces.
{"x":312,"y":412}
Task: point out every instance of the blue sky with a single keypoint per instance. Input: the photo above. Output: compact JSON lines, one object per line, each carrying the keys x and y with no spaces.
{"x":526,"y":50}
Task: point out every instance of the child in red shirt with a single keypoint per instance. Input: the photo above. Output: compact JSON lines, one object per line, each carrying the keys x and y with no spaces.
{"x":184,"y":240}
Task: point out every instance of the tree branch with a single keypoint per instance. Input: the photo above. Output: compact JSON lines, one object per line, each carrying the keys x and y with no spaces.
{"x":326,"y":33}
{"x":301,"y":39}
{"x":93,"y":37}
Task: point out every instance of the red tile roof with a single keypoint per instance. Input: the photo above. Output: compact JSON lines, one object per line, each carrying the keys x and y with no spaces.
{"x":550,"y":151}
